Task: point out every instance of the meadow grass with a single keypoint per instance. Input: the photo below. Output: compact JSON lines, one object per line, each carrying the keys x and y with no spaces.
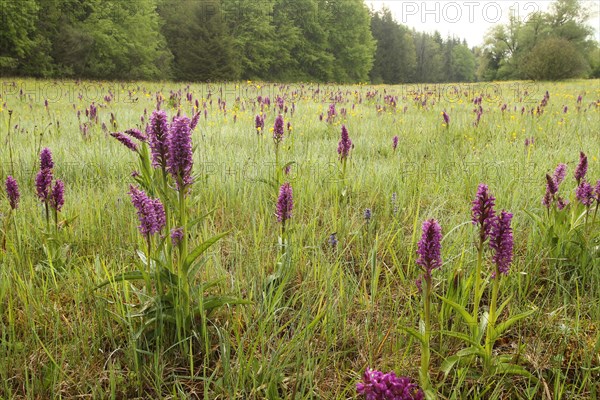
{"x":344,"y":308}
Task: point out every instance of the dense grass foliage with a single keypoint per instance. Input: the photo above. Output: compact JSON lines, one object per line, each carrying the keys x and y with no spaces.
{"x":348,"y":297}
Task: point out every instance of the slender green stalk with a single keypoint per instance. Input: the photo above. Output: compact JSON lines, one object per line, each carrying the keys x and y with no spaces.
{"x":489,"y":341}
{"x":277,"y":169}
{"x":10,"y":150}
{"x":184,"y":292}
{"x":425,"y":349}
{"x":165,"y":184}
{"x":55,"y":219}
{"x":477,"y":289}
{"x":5,"y":230}
{"x":47,"y":210}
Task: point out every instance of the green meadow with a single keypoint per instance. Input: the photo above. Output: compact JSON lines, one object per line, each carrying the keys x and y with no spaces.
{"x":315,"y":314}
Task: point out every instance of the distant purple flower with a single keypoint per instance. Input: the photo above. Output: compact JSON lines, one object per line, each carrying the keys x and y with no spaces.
{"x":176,"y":236}
{"x":345,"y":144}
{"x":125,"y":140}
{"x":57,"y":197}
{"x":12,"y":191}
{"x":429,"y":247}
{"x":151,"y":212}
{"x":565,"y":109}
{"x":368,"y":214}
{"x":581,"y":167}
{"x":597,"y":191}
{"x":137,"y":134}
{"x":559,"y":174}
{"x":180,"y":160}
{"x":551,"y":189}
{"x":333,"y":242}
{"x":446,"y":118}
{"x":259,"y":124}
{"x":285,"y":203}
{"x":502,"y":242}
{"x":278,"y":129}
{"x":195,"y":120}
{"x":331,"y":113}
{"x":376,"y":385}
{"x":395,"y":142}
{"x":585,"y":193}
{"x":529,"y":142}
{"x":483,"y":213}
{"x":158,"y":132}
{"x":43,"y":181}
{"x":46,"y":159}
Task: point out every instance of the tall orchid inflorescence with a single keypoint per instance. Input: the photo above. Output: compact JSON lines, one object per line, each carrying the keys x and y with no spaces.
{"x":158,"y":132}
{"x":51,"y":197}
{"x":582,"y":168}
{"x":344,"y":147}
{"x":180,"y":160}
{"x":278,"y":130}
{"x":13,"y":195}
{"x":259,"y":124}
{"x":12,"y":192}
{"x":429,"y":251}
{"x":483,"y":216}
{"x":177,"y":309}
{"x":502,"y":243}
{"x":496,"y":229}
{"x":446,"y":119}
{"x":285,"y":205}
{"x":151,"y":212}
{"x":345,"y":144}
{"x":429,"y":247}
{"x":552,"y":187}
{"x":584,"y":192}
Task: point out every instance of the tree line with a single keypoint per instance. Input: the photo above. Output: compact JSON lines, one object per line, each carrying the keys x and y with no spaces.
{"x":278,"y":40}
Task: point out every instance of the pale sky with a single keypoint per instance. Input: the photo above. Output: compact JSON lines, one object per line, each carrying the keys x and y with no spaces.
{"x":468,"y":19}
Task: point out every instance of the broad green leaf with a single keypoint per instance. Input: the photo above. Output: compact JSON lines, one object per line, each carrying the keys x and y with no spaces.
{"x":512,"y":369}
{"x":483,"y":323}
{"x":195,"y":221}
{"x":448,"y":363}
{"x":142,"y":257}
{"x":414,"y":334}
{"x":499,"y":311}
{"x":470,"y":351}
{"x":468,"y":318}
{"x":198,"y":251}
{"x":464,"y":337}
{"x":500,"y":328}
{"x":213,"y":302}
{"x":126,"y":276}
